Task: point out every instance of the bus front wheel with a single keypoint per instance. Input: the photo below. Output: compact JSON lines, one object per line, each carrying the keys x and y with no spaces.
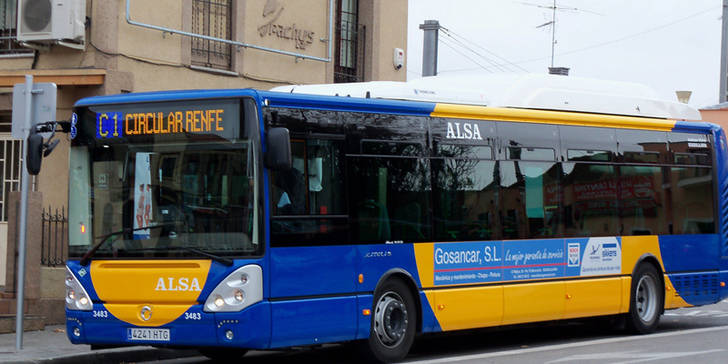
{"x":394,"y":319}
{"x":646,"y":301}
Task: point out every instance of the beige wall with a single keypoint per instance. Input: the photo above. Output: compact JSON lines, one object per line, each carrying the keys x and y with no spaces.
{"x":719,"y":117}
{"x":386,"y":22}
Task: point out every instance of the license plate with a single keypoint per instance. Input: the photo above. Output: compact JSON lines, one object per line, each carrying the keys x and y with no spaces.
{"x":136,"y":334}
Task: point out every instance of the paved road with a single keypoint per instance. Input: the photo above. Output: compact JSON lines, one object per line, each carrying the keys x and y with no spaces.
{"x":698,"y":335}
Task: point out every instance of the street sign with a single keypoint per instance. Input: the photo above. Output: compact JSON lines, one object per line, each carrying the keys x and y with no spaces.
{"x":43,"y":107}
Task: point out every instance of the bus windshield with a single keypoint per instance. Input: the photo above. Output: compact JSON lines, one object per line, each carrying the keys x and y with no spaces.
{"x":164,"y":195}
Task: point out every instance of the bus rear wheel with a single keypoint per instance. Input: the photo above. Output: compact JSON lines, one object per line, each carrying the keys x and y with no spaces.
{"x":646,"y":300}
{"x":394,"y":319}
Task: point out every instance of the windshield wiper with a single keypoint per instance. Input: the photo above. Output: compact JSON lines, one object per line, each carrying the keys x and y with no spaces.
{"x":104,"y":238}
{"x":222,"y":260}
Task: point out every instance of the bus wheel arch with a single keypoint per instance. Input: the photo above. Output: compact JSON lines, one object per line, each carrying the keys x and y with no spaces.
{"x":409,"y":281}
{"x":647,"y":296}
{"x":394,"y":318}
{"x":649,"y":258}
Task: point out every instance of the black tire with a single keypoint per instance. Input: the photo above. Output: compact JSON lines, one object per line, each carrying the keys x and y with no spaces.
{"x":394,"y":320}
{"x":223,"y":355}
{"x":647,"y":300}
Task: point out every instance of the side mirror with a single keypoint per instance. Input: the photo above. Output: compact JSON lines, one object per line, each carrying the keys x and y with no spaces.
{"x":278,"y":152}
{"x":34,"y":152}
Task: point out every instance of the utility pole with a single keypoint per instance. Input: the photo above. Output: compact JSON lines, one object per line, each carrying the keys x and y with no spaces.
{"x":429,"y":47}
{"x":724,"y":55}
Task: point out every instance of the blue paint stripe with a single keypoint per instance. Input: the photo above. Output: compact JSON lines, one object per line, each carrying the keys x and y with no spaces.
{"x":161,"y":96}
{"x":278,"y":99}
{"x":694,"y":127}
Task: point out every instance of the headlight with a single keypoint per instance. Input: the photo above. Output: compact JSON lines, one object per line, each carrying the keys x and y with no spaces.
{"x":238,"y":290}
{"x":76,"y":296}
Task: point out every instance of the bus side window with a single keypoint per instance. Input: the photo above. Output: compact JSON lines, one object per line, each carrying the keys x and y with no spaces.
{"x":465,"y":193}
{"x":590,"y":197}
{"x":691,"y":189}
{"x":642,"y":201}
{"x":289,"y":186}
{"x":530,"y":199}
{"x":307,"y":200}
{"x":389,"y":199}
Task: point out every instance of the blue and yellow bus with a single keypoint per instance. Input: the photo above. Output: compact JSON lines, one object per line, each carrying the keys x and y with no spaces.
{"x":228,"y":220}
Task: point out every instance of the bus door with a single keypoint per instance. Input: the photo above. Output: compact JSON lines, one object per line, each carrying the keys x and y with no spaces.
{"x":312,"y":262}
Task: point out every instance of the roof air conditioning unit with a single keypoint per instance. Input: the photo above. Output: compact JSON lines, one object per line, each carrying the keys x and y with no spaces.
{"x":51,"y":21}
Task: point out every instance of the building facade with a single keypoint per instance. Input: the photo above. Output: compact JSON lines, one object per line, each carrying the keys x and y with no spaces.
{"x":136,"y":46}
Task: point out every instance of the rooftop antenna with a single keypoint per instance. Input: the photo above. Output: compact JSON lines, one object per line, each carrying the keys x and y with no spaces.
{"x":552,"y":22}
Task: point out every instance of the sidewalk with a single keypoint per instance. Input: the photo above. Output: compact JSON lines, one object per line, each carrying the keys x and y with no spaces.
{"x":52,"y":346}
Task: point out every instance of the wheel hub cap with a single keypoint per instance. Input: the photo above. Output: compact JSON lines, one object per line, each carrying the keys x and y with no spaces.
{"x":390,"y":319}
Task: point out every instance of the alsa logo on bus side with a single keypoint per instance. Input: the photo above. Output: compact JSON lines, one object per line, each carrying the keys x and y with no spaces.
{"x":463,"y":131}
{"x":180,"y":284}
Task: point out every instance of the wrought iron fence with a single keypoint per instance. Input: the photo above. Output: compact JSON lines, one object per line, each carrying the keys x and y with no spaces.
{"x":54,"y":242}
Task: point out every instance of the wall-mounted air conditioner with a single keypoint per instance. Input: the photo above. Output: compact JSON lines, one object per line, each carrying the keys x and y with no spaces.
{"x":45,"y":21}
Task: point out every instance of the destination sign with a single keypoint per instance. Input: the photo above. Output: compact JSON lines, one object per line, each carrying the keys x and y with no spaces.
{"x":217,"y":117}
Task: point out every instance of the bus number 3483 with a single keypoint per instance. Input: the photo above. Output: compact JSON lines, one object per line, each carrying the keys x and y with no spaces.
{"x":193,"y":316}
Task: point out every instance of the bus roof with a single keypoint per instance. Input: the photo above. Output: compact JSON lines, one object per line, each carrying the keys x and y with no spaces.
{"x":524,"y":91}
{"x":389,"y":105}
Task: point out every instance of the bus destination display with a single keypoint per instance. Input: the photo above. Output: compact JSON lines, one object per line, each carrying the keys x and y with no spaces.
{"x":209,"y":118}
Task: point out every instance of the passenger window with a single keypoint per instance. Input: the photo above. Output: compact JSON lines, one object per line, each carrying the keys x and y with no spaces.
{"x":527,"y":141}
{"x":464,"y":151}
{"x":642,"y":201}
{"x":585,"y":155}
{"x":379,"y":147}
{"x":532,"y":154}
{"x":590,"y":200}
{"x":529,"y":204}
{"x":691,"y":149}
{"x":466,"y":199}
{"x":582,"y":143}
{"x":642,"y":146}
{"x":306,"y":199}
{"x":691,"y":204}
{"x":389,"y":199}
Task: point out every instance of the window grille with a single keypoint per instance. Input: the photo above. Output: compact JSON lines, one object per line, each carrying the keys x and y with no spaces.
{"x":349,"y":66}
{"x":8,"y":20}
{"x":212,"y":18}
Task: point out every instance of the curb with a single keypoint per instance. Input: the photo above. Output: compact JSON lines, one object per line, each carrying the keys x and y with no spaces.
{"x":119,"y":355}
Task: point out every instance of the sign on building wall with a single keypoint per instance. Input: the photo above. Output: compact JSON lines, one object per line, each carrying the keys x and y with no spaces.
{"x":290,"y":25}
{"x":277,"y":27}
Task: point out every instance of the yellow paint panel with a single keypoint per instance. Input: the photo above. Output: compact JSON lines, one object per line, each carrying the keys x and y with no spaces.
{"x":169,"y":287}
{"x":533,"y":302}
{"x":467,"y":308}
{"x":626,"y":293}
{"x":424,"y":256}
{"x":550,"y":117}
{"x":634,"y":247}
{"x":593,"y":297}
